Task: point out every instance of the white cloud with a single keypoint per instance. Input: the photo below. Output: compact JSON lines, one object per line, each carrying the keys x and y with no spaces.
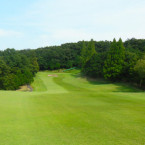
{"x":53,"y":22}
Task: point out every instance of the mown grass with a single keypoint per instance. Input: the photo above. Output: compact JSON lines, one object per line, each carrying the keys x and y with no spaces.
{"x":70,"y":110}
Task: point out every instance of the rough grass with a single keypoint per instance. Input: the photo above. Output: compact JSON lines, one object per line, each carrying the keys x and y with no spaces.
{"x":70,"y":110}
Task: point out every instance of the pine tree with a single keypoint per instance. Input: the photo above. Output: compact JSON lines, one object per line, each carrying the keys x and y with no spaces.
{"x":86,"y":53}
{"x":91,"y":49}
{"x":83,"y":53}
{"x":115,"y":60}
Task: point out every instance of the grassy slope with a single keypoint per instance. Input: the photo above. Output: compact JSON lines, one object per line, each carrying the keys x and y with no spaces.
{"x":69,"y":110}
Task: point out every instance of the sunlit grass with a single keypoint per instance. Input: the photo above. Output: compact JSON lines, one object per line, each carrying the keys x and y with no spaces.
{"x":70,"y":110}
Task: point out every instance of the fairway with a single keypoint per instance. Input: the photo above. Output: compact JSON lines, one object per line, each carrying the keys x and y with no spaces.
{"x":71,"y":110}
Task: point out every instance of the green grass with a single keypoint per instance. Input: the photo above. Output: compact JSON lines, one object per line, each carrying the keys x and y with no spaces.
{"x":70,"y":110}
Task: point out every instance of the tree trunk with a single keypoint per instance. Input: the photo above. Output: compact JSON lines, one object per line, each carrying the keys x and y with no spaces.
{"x":140,"y":83}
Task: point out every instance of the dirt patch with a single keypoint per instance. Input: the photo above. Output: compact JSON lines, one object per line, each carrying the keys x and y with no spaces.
{"x":26,"y":88}
{"x":53,"y":75}
{"x":29,"y":88}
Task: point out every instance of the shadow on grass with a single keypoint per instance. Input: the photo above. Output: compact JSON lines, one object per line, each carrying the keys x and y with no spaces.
{"x":120,"y":87}
{"x":69,"y":86}
{"x":126,"y":87}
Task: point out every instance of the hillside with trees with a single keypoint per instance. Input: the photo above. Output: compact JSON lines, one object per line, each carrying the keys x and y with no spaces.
{"x":115,"y":61}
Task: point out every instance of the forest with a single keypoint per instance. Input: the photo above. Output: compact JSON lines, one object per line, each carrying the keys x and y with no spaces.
{"x":115,"y":61}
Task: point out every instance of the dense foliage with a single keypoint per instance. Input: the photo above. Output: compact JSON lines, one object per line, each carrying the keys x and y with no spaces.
{"x":115,"y":61}
{"x":121,"y":62}
{"x":17,"y":68}
{"x":64,"y":56}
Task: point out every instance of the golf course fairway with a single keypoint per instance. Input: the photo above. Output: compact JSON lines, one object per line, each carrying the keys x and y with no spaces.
{"x":66,"y":109}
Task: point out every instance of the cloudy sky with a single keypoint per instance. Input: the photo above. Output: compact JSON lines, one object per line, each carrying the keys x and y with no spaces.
{"x":38,"y":23}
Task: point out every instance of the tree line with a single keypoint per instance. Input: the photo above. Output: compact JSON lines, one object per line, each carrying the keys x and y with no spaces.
{"x":121,"y":62}
{"x":115,"y":61}
{"x":17,"y":68}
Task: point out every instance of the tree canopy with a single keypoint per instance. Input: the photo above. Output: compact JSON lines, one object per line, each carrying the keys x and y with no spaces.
{"x":115,"y":61}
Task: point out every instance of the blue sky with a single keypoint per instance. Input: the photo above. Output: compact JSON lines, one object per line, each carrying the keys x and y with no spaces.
{"x":39,"y":23}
